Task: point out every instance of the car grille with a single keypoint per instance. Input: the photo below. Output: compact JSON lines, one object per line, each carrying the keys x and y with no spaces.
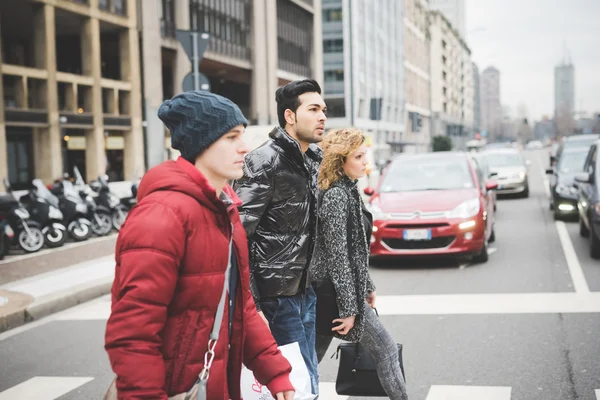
{"x":435,"y":243}
{"x":417,"y":226}
{"x":422,"y":215}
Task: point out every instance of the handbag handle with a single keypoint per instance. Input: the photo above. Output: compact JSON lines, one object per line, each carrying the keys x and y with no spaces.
{"x":209,"y":356}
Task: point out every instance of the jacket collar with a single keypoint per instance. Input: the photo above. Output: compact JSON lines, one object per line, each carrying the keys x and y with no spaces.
{"x":345,"y":182}
{"x":292,"y":147}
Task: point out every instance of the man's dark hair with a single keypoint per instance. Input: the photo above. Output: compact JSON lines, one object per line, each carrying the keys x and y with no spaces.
{"x":287,"y":96}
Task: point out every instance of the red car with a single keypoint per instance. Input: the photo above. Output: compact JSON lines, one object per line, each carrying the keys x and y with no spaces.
{"x":433,"y":204}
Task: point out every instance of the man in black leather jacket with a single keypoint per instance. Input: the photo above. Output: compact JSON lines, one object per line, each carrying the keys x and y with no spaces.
{"x":279,"y":191}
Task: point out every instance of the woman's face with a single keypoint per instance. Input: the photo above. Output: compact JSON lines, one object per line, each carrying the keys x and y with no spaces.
{"x":356,"y":163}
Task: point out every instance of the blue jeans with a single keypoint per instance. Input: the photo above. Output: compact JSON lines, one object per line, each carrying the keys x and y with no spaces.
{"x":292,"y":319}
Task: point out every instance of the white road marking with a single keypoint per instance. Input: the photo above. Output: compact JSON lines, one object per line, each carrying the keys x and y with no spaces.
{"x":577,"y":276}
{"x":44,"y":388}
{"x":597,"y":394}
{"x":443,"y":392}
{"x":505,"y":303}
{"x":327,"y":391}
{"x":492,"y":250}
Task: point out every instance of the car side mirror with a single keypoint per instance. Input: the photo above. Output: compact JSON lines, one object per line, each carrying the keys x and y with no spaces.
{"x":550,"y":171}
{"x":582,"y":177}
{"x":491,"y":185}
{"x":369,"y":191}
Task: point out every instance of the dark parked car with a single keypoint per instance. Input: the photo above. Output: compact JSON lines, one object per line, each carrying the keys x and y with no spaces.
{"x":588,"y":203}
{"x":564,"y":190}
{"x":573,"y":141}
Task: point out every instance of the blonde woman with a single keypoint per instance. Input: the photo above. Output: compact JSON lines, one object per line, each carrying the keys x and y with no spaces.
{"x":342,"y":256}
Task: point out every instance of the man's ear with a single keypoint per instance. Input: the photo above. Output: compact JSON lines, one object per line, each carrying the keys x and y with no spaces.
{"x":290,"y":117}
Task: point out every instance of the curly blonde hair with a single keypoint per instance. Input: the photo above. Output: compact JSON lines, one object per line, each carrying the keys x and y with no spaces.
{"x":337,"y":146}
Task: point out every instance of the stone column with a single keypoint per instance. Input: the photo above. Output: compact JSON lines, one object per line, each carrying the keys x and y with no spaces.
{"x":3,"y":154}
{"x":47,"y":141}
{"x":317,"y":45}
{"x":272,"y":60}
{"x":133,"y":164}
{"x":153,"y":91}
{"x":259,"y":102}
{"x":95,"y":155}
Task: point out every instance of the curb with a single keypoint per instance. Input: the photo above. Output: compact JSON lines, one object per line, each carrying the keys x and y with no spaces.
{"x":55,"y":302}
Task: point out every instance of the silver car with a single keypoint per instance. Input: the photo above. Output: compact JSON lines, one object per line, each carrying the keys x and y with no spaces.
{"x":509,"y":168}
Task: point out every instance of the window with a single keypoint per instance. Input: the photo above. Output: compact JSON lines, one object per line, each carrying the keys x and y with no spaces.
{"x":332,"y":15}
{"x":333,"y":45}
{"x":19,"y":148}
{"x":336,"y":108}
{"x":336,"y":75}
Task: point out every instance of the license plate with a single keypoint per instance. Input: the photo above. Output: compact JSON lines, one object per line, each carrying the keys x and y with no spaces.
{"x":417,"y":234}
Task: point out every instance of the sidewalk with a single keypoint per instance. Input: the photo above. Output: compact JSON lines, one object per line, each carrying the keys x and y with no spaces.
{"x":44,"y":294}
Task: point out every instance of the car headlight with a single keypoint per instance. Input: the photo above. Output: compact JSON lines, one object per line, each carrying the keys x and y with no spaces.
{"x":378,"y":215}
{"x":520,"y":176}
{"x":466,"y":209}
{"x":22,"y":213}
{"x":55,"y":213}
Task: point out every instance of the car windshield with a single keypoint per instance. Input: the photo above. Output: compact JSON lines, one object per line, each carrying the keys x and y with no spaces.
{"x":572,"y":161}
{"x":499,"y":160}
{"x":583,"y":142}
{"x":427,"y":174}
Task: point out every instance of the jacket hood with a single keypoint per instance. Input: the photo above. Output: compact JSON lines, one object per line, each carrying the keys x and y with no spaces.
{"x":181,"y":176}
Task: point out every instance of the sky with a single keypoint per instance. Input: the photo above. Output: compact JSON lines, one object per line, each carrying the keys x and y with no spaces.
{"x":525,"y":40}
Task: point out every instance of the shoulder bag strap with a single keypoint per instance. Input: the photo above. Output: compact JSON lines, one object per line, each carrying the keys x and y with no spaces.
{"x":214,"y":334}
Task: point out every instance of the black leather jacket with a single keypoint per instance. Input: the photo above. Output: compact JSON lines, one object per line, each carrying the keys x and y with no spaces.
{"x":278,"y":192}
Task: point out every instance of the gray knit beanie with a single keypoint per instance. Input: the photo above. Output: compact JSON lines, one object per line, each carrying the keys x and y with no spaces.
{"x":197,"y":119}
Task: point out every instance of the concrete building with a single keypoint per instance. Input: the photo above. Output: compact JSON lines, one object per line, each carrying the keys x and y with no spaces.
{"x":255,"y":47}
{"x":417,"y":112}
{"x":564,"y":95}
{"x":70,"y":89}
{"x":451,"y":82}
{"x":491,"y":108}
{"x":364,"y":78}
{"x":476,"y":100}
{"x":454,"y":11}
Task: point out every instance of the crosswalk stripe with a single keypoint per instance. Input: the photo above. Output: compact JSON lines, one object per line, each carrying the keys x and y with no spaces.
{"x":44,"y":388}
{"x":327,"y":391}
{"x":445,"y":392}
{"x":597,"y":394}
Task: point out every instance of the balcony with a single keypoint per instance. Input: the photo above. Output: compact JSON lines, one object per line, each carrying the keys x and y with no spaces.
{"x":113,"y":6}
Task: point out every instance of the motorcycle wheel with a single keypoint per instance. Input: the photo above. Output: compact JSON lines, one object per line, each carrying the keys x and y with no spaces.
{"x":102,"y":223}
{"x":54,"y":237}
{"x":80,"y":229}
{"x":118,"y":217}
{"x":31,"y":243}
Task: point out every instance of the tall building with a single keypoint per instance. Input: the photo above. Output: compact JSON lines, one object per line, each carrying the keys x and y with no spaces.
{"x":476,"y":100}
{"x":491,"y":108}
{"x":71,"y":90}
{"x":454,"y":11}
{"x":564,"y":88}
{"x":417,"y":117}
{"x":451,"y":82}
{"x":255,"y":46}
{"x":364,"y":78}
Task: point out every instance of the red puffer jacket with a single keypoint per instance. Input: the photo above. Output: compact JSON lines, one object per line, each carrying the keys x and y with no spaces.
{"x":171,"y":257}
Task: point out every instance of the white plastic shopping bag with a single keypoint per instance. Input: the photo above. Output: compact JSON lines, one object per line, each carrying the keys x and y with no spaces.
{"x":253,"y":390}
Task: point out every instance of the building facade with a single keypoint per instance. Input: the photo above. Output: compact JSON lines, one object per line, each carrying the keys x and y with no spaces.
{"x":255,"y":46}
{"x":454,"y":11}
{"x":70,"y":89}
{"x":363,"y":69}
{"x":476,"y":100}
{"x":417,"y":112}
{"x":564,"y":87}
{"x":491,"y":108}
{"x":451,"y":82}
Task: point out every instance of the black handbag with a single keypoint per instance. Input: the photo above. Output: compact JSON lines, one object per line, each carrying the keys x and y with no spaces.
{"x":357,"y":374}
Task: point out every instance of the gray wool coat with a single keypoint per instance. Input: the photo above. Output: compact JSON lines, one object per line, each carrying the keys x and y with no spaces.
{"x":342,"y":251}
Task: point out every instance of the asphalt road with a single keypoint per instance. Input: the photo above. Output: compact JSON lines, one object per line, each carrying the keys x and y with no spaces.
{"x":523,"y":326}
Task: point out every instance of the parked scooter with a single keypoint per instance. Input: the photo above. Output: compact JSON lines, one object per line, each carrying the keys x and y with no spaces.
{"x":109,"y":200}
{"x":99,"y":215}
{"x":74,"y":210}
{"x":27,"y":232}
{"x":44,"y":208}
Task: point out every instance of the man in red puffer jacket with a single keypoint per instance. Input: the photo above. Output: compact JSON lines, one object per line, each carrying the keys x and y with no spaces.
{"x":171,"y":260}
